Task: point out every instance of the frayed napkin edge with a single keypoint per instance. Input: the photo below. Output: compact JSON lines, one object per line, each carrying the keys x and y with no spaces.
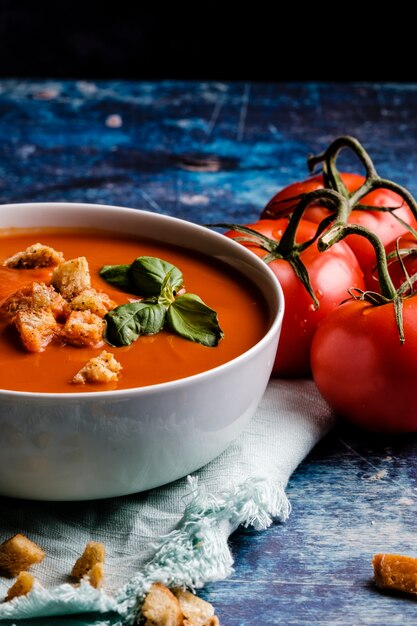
{"x":190,"y":556}
{"x":64,"y":599}
{"x":197,"y":551}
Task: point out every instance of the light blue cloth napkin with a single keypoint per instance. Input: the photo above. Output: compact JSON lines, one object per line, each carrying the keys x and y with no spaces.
{"x":176,"y":534}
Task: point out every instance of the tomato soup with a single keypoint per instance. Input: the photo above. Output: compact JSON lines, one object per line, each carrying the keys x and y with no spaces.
{"x":151,"y":359}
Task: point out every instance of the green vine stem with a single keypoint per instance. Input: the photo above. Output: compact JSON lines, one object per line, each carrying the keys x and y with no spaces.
{"x":287,"y":248}
{"x":373,"y":181}
{"x":329,"y":157}
{"x":338,"y":231}
{"x":329,"y":198}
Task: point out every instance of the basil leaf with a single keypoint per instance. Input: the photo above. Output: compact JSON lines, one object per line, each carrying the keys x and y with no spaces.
{"x":190,"y":318}
{"x":126,"y":322}
{"x":148,"y":274}
{"x":116,"y":275}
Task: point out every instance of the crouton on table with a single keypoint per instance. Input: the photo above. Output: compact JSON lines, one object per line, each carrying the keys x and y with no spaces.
{"x":396,"y":572}
{"x":94,"y":553}
{"x":95,"y":575}
{"x":195,"y":610}
{"x":21,"y":587}
{"x":176,"y":607}
{"x":17,"y":554}
{"x":161,"y":607}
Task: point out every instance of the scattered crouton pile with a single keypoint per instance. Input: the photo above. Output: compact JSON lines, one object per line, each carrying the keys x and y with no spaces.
{"x":19,"y":553}
{"x":176,"y":607}
{"x":69,"y":310}
{"x":161,"y":607}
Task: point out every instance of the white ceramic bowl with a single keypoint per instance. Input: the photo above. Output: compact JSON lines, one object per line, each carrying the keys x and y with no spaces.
{"x":78,"y":446}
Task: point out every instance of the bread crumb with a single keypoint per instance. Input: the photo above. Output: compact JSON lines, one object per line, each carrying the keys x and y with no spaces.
{"x":378,"y":475}
{"x":93,"y":554}
{"x":18,"y":553}
{"x":21,"y":587}
{"x":161,"y":607}
{"x":114,"y":121}
{"x":395,"y":572}
{"x":33,"y":257}
{"x":100,"y":369}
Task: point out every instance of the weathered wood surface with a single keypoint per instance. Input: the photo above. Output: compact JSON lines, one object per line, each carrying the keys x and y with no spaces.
{"x":217,"y":152}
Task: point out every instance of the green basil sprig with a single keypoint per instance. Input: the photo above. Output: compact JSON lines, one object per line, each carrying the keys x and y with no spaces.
{"x":158,"y":282}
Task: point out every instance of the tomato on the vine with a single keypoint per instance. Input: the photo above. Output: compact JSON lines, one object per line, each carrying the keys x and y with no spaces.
{"x":331,"y":274}
{"x":361,"y":368}
{"x":284,"y":200}
{"x":383,"y":223}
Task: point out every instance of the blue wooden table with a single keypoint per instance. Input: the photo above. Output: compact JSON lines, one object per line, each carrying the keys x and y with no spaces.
{"x":217,"y":152}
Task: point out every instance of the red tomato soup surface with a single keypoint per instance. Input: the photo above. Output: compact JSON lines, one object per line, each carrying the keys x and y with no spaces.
{"x":241,"y":309}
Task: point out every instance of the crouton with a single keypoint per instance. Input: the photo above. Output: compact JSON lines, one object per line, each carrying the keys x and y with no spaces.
{"x":17,"y":554}
{"x":21,"y":587}
{"x":94,"y":553}
{"x":95,"y":301}
{"x":195,"y":610}
{"x":33,"y":257}
{"x":95,"y":575}
{"x":161,"y":607}
{"x":36,"y":296}
{"x":72,"y":277}
{"x":395,"y":572}
{"x":83,"y":328}
{"x":36,"y":328}
{"x":100,"y":369}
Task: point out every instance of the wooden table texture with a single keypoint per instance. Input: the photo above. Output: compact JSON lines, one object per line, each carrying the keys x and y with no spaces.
{"x":215,"y":151}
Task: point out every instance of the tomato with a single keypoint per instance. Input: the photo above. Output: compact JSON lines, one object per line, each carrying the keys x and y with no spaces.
{"x":362,"y":370}
{"x":331,"y":273}
{"x":382,"y":223}
{"x":284,"y":201}
{"x":405,"y":243}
